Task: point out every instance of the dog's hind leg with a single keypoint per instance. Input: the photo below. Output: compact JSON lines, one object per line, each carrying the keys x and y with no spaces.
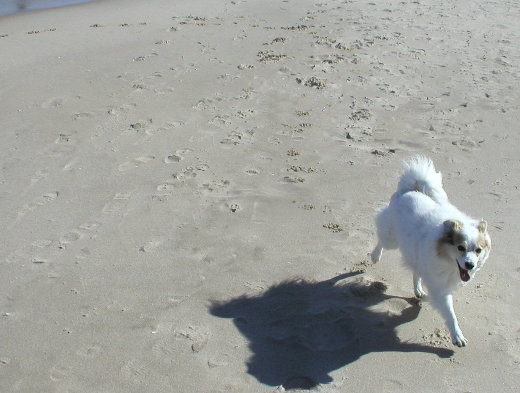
{"x":385,"y":234}
{"x":417,"y":286}
{"x":376,"y":254}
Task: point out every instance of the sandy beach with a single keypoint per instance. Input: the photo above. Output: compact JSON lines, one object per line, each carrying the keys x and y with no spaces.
{"x":187,"y":192}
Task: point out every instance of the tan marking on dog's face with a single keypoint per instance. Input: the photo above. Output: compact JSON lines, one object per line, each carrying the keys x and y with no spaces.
{"x":452,"y":235}
{"x":453,"y":232}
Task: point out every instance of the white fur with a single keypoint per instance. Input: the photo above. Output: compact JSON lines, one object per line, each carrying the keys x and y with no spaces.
{"x":417,"y":217}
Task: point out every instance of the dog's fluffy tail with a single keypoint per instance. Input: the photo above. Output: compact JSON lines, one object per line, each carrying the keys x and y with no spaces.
{"x":420,"y":175}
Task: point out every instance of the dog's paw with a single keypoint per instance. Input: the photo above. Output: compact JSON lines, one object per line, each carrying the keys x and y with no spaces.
{"x":419,"y":293}
{"x":459,"y":340}
{"x":376,"y":254}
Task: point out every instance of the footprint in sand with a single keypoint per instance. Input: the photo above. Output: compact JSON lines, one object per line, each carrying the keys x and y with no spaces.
{"x":151,"y":245}
{"x":117,"y":110}
{"x":37,"y":176}
{"x":467,"y":143}
{"x":70,"y":237}
{"x":174,"y":124}
{"x":135,"y":163}
{"x":222,"y":121}
{"x":196,"y":336}
{"x":77,"y":234}
{"x":63,"y":139}
{"x":165,"y":128}
{"x":89,"y":225}
{"x":39,"y":261}
{"x":293,"y":179}
{"x":218,"y":360}
{"x":53,"y":102}
{"x":173,"y":158}
{"x":238,"y":137}
{"x":178,"y":156}
{"x":185,"y":151}
{"x":252,"y":171}
{"x":141,"y":126}
{"x":215,"y":186}
{"x":166,"y":187}
{"x":82,"y":115}
{"x":166,"y":348}
{"x":135,"y":370}
{"x":42,"y":243}
{"x":27,"y":253}
{"x":118,"y":203}
{"x":63,"y":144}
{"x":58,"y":373}
{"x":38,"y":202}
{"x":186,"y":174}
{"x":91,"y":351}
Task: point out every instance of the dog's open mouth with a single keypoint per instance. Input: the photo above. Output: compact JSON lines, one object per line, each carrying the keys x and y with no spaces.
{"x":464,"y":274}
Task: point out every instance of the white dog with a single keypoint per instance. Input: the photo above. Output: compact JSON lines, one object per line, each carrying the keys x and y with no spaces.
{"x":443,"y":246}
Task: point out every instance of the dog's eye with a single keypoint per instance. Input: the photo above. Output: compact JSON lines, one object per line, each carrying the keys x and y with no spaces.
{"x":461,"y":248}
{"x":478,"y":250}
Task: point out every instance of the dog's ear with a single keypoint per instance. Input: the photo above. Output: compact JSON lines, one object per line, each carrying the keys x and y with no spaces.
{"x":451,"y":234}
{"x":452,"y":230}
{"x":451,"y":226}
{"x":482,"y":226}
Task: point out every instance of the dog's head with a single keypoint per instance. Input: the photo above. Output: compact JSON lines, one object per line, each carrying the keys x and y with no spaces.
{"x":467,"y":244}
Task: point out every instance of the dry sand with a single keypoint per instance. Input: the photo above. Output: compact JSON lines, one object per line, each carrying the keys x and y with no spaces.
{"x":186,"y":187}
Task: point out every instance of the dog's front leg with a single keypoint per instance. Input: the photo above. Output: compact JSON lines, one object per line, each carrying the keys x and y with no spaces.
{"x":376,"y":254}
{"x":445,"y":305}
{"x":417,"y":286}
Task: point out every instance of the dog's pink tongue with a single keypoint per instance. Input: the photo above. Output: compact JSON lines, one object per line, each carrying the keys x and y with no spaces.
{"x":464,"y":275}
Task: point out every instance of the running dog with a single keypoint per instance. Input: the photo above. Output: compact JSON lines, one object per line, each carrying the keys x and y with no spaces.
{"x":442,"y":246}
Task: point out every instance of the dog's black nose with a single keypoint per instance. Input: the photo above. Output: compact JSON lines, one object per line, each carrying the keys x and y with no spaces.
{"x":469,"y":265}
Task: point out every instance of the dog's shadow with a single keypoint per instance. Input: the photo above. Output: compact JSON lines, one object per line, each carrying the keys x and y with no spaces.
{"x":299,"y":331}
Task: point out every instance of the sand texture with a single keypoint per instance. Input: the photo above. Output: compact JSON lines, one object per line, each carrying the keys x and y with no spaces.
{"x":187,"y":191}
